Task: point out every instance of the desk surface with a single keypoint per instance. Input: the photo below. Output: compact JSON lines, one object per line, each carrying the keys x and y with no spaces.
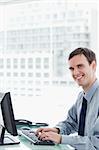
{"x":26,"y":145}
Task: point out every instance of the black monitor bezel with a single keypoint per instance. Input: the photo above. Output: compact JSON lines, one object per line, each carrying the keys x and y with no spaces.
{"x":8,"y":114}
{"x":8,"y":119}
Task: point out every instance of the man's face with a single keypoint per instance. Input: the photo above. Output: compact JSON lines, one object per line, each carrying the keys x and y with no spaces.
{"x":82,"y":72}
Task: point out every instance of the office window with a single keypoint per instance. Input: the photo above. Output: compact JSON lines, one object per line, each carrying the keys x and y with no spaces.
{"x":38,"y":60}
{"x":15,"y":74}
{"x":30,"y":63}
{"x":8,"y":63}
{"x":1,"y":74}
{"x":30,"y":74}
{"x":23,"y":74}
{"x":15,"y":63}
{"x":8,"y":74}
{"x":36,"y":38}
{"x":46,"y":75}
{"x":38,"y":75}
{"x":46,"y":63}
{"x":1,"y":63}
{"x":22,"y":63}
{"x":38,"y":63}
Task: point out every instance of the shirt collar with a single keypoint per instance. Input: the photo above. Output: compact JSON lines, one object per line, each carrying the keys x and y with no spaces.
{"x":88,"y":95}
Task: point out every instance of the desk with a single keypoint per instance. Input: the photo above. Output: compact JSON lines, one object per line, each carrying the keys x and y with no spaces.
{"x":26,"y":145}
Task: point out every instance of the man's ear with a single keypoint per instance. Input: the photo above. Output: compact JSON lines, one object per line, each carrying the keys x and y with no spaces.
{"x":94,"y":65}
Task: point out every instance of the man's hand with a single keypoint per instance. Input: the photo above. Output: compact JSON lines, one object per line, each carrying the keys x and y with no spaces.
{"x":49,"y":134}
{"x":40,"y":130}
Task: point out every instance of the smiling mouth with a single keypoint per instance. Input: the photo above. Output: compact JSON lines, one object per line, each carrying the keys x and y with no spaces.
{"x":77,"y":78}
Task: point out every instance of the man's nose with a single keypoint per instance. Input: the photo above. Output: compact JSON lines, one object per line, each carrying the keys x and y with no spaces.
{"x":76,"y":71}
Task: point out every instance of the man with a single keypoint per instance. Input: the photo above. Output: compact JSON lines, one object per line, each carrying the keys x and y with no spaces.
{"x":82,"y":64}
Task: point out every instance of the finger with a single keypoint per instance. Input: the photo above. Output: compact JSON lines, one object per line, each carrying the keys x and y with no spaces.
{"x":38,"y":131}
{"x":43,"y":135}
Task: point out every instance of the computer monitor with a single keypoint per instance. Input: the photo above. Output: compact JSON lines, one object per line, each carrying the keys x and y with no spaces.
{"x":8,"y":127}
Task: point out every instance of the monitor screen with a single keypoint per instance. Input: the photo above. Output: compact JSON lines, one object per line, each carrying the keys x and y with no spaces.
{"x":8,"y":116}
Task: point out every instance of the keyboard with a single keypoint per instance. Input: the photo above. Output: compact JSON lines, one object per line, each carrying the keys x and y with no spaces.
{"x":30,"y":135}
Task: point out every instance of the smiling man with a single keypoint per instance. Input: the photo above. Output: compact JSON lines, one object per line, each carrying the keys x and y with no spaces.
{"x":83,"y":67}
{"x":83,"y":117}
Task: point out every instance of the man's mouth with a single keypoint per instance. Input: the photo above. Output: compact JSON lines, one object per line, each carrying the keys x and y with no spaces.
{"x":79,"y":77}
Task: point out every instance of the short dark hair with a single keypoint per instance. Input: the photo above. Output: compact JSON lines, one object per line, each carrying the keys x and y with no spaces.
{"x":89,"y":54}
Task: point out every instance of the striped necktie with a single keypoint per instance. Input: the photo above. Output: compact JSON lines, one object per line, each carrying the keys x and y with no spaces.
{"x":82,"y":118}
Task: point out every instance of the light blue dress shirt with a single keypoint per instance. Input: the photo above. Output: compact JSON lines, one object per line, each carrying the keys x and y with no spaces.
{"x":91,"y":139}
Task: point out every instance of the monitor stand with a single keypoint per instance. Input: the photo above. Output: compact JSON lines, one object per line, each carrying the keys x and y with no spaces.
{"x":7,"y":139}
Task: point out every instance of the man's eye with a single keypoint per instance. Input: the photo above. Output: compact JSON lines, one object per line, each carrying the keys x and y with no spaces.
{"x":79,"y":66}
{"x":71,"y":69}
